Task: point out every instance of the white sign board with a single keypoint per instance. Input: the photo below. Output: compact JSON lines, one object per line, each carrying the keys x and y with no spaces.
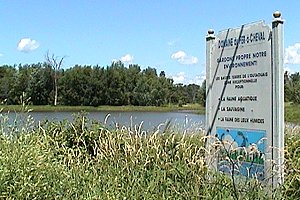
{"x":242,"y":100}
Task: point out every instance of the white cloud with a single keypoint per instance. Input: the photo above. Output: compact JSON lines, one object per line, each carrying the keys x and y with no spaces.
{"x":292,"y":54}
{"x":179,"y":78}
{"x":127,"y":58}
{"x":184,"y":59}
{"x":183,"y":78}
{"x":26,"y":45}
{"x":178,"y":55}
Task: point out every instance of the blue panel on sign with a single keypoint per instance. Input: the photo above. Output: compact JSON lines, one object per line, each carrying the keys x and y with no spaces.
{"x":242,"y":151}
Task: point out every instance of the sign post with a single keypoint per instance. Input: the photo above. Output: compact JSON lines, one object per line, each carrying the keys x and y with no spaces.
{"x":278,"y":100}
{"x":244,"y":106}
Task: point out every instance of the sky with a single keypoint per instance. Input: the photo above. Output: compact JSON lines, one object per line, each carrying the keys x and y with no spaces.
{"x":168,"y":35}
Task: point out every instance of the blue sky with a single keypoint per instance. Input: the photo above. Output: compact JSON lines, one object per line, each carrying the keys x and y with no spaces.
{"x":166,"y":34}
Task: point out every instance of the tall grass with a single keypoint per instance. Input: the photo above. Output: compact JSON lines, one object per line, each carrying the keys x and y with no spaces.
{"x":85,"y":160}
{"x":291,"y":188}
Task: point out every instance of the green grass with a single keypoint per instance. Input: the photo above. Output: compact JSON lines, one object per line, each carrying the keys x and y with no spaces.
{"x":48,"y":108}
{"x":84,"y":160}
{"x":292,"y":113}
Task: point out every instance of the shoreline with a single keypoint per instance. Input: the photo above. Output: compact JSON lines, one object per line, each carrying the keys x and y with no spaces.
{"x":292,"y":111}
{"x":48,"y":108}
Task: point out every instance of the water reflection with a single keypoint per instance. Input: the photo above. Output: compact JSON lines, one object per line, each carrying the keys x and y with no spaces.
{"x":146,"y":121}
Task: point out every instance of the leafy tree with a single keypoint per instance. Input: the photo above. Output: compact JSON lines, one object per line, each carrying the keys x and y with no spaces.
{"x":21,"y":82}
{"x":141,"y":93}
{"x":202,"y":94}
{"x":292,"y":87}
{"x":150,"y":72}
{"x":133,"y":75}
{"x":75,"y":86}
{"x":192,"y":92}
{"x":97,"y":86}
{"x":7,"y":74}
{"x":115,"y":82}
{"x":40,"y":86}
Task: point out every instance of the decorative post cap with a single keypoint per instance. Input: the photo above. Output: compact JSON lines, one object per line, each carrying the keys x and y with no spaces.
{"x":277,"y":14}
{"x":210,"y":35}
{"x":277,"y":17}
{"x":210,"y":31}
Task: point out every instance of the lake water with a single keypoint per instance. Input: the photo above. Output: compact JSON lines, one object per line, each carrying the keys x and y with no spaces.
{"x":148,"y":121}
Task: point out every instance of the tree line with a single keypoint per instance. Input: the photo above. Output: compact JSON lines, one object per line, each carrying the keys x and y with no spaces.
{"x":93,"y":85}
{"x":84,"y":85}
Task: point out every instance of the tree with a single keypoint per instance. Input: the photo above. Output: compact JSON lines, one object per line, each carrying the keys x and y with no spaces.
{"x":202,"y":93}
{"x":21,"y":82}
{"x":7,"y":75}
{"x":192,"y":92}
{"x":40,"y":86}
{"x":133,"y":75}
{"x":75,"y":86}
{"x":97,"y":86}
{"x":292,"y":87}
{"x":55,"y":63}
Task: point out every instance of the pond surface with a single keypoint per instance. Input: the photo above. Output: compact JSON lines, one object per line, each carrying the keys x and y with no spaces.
{"x":147,"y":121}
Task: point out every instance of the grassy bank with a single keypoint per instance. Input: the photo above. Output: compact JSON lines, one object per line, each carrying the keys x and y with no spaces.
{"x":47,"y":108}
{"x":64,"y":160}
{"x":292,"y":111}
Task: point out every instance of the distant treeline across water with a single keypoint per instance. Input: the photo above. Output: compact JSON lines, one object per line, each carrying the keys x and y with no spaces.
{"x":42,"y":84}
